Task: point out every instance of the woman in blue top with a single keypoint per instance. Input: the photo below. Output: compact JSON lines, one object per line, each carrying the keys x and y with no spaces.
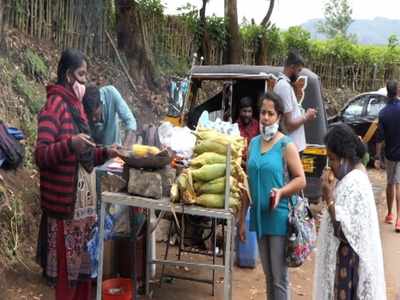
{"x":269,"y":192}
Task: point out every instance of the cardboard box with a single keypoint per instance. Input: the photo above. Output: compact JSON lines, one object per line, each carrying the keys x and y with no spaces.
{"x":109,"y":269}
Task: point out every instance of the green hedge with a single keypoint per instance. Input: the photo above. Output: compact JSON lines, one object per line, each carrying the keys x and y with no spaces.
{"x":339,"y":49}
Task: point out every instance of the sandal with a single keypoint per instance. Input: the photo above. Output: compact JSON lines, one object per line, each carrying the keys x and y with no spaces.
{"x":389,"y":219}
{"x":397,"y":227}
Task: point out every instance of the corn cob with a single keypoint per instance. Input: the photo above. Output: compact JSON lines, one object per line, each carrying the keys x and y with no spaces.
{"x":217,"y":186}
{"x":143,"y":150}
{"x":209,"y":172}
{"x":208,"y":158}
{"x":215,"y":200}
{"x":216,"y":147}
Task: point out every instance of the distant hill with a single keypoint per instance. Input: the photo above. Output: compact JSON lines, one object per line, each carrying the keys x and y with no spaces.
{"x":376,"y":31}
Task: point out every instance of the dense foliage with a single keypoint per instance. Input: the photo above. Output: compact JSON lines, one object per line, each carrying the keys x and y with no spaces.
{"x":279,"y":42}
{"x":337,"y":18}
{"x":337,"y":49}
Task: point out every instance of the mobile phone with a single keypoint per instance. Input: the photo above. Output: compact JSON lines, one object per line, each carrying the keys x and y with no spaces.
{"x":272,"y":199}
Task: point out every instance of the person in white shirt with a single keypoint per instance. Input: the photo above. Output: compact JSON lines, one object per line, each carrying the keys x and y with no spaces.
{"x":294,"y":117}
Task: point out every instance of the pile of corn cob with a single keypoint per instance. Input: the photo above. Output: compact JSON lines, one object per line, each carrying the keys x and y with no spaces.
{"x":203,"y":183}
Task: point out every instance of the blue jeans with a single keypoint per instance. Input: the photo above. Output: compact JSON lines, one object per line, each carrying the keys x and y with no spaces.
{"x":273,"y":259}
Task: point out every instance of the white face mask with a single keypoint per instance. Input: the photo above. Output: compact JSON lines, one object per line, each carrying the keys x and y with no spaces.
{"x":79,"y":89}
{"x":268,"y":132}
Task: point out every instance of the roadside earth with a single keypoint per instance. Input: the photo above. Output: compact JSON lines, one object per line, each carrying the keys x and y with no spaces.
{"x":247,"y":283}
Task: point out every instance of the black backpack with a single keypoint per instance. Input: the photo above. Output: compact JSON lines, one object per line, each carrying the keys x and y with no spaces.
{"x":13,"y":151}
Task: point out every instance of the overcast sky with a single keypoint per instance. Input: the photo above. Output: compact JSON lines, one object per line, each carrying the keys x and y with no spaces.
{"x":294,"y":12}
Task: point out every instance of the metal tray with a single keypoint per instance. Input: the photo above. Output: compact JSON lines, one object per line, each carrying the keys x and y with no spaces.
{"x":151,"y":162}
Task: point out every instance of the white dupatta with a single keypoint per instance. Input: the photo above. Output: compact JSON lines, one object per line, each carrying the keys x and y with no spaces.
{"x":356,"y":211}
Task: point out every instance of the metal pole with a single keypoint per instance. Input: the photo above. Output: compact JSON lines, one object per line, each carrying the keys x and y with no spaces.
{"x":228,"y":177}
{"x":227,"y":266}
{"x":101,"y":248}
{"x":232,"y":245}
{"x":148,"y":253}
{"x":132,"y":247}
{"x":214,"y":245}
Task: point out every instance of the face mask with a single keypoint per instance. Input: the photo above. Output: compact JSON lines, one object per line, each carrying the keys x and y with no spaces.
{"x":268,"y":132}
{"x":79,"y":89}
{"x":343,"y":170}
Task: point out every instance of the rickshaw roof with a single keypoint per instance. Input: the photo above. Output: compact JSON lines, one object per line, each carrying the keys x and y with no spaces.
{"x":226,"y":72}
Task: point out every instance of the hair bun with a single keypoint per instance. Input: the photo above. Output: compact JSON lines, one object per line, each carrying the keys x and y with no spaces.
{"x":361,"y":149}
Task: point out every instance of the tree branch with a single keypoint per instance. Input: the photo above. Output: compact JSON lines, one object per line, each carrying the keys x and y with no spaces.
{"x":265,"y":21}
{"x":124,"y":68}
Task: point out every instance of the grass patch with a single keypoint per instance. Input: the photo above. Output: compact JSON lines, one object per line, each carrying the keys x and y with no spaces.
{"x":29,"y":91}
{"x":35,"y":66}
{"x":172,"y":66}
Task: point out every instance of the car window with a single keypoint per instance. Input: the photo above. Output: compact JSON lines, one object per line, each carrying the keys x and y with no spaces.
{"x":375,"y":104}
{"x":355,"y":108}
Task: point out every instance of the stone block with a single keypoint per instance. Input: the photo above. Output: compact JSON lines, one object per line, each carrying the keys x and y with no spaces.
{"x":145,"y":184}
{"x":168,"y":175}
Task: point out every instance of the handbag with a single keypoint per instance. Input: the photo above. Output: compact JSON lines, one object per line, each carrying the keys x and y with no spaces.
{"x":301,"y":232}
{"x":301,"y":238}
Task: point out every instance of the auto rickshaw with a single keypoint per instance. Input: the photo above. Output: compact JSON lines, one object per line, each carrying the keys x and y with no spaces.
{"x":236,"y":81}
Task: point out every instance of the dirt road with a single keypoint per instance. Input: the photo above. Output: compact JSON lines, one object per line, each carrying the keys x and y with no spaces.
{"x":247,"y":283}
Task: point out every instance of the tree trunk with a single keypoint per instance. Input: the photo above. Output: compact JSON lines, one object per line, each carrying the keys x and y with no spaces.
{"x":261,"y":51}
{"x":262,"y":43}
{"x":132,"y":42}
{"x":3,"y":24}
{"x":204,"y":38}
{"x":233,"y":53}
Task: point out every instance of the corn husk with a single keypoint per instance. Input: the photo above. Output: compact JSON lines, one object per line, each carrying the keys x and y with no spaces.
{"x":185,"y":187}
{"x":208,"y":172}
{"x":203,"y":134}
{"x":174,"y":193}
{"x":208,"y":158}
{"x":217,"y":186}
{"x":216,"y":201}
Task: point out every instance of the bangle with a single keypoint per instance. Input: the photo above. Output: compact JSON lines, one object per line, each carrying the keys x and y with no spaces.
{"x":330,"y":204}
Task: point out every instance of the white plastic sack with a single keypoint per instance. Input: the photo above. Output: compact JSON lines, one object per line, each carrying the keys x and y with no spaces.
{"x":218,"y":125}
{"x":178,"y":139}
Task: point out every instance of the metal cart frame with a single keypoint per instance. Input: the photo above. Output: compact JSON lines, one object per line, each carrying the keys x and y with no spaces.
{"x":165,"y":205}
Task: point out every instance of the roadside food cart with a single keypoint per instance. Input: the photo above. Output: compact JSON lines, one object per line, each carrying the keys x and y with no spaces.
{"x":237,"y":81}
{"x":163,"y":204}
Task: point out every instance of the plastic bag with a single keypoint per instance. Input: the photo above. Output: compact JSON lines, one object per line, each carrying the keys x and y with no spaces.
{"x":93,"y":244}
{"x":218,"y":125}
{"x":178,"y":139}
{"x":120,"y":219}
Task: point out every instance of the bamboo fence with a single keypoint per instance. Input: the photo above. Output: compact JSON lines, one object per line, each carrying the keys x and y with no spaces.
{"x":83,"y":24}
{"x":67,"y":23}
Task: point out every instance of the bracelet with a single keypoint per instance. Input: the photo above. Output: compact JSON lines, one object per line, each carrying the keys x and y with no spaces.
{"x":330,"y":204}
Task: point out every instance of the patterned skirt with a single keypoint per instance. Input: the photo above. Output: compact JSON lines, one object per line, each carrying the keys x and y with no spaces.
{"x":76,"y":233}
{"x":346,"y":279}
